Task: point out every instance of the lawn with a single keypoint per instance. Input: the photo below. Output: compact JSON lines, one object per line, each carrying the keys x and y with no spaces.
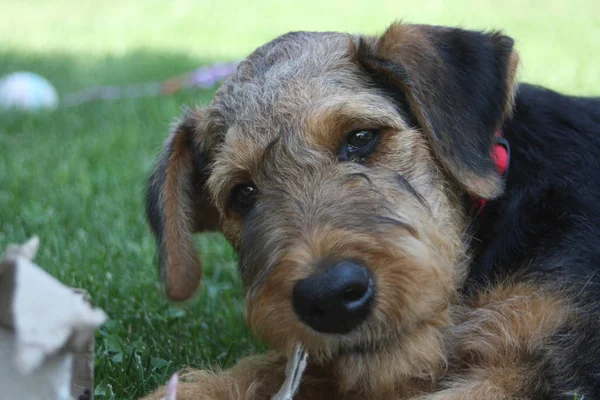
{"x":75,"y":176}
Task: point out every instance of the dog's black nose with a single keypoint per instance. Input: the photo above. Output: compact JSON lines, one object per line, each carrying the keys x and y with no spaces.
{"x":335,"y":300}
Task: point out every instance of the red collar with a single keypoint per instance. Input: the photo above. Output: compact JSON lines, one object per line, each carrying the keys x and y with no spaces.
{"x":501,"y":156}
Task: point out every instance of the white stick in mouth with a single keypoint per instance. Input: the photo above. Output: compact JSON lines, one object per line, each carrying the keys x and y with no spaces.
{"x":293,"y":374}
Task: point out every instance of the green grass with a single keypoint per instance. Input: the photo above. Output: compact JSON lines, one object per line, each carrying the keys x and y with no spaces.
{"x":75,"y":177}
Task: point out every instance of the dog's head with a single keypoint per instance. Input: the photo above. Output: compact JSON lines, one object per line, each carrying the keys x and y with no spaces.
{"x":337,"y":166}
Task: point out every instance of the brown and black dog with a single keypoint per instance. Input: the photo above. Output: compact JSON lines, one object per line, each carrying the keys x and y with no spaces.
{"x":377,"y":224}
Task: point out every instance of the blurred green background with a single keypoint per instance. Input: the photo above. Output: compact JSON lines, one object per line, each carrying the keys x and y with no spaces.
{"x":75,"y":176}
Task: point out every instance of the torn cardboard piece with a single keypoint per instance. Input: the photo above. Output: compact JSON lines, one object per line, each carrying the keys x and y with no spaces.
{"x":44,"y":326}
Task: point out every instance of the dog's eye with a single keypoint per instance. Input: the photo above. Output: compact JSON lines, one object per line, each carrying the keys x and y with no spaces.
{"x":243,"y":197}
{"x":359,"y":144}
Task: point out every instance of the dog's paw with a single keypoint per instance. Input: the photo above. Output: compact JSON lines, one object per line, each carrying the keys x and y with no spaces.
{"x":199,"y":385}
{"x":469,"y":391}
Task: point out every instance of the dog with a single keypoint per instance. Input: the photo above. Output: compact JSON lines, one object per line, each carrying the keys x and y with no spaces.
{"x":426,"y":226}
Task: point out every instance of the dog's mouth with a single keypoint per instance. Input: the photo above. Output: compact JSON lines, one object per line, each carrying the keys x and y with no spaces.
{"x":364,"y":347}
{"x":364,"y":341}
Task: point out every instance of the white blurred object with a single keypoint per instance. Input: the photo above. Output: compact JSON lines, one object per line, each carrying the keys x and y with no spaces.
{"x":172,"y":388}
{"x":27,"y":91}
{"x":44,"y":327}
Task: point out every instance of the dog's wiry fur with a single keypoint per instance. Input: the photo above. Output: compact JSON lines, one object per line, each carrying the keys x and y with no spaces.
{"x":467,"y":306}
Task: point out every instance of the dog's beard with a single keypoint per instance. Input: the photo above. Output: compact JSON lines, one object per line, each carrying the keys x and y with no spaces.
{"x":372,"y":357}
{"x":401,"y":362}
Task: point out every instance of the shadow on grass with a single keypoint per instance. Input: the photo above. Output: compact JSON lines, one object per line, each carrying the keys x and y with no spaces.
{"x":70,"y":73}
{"x":76,"y":178}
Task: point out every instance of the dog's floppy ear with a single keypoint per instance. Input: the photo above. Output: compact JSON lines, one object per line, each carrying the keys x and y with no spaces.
{"x":459,"y":86}
{"x":177,"y":204}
